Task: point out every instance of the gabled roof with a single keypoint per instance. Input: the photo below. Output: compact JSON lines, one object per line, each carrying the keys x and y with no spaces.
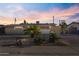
{"x":38,"y":24}
{"x":74,"y":23}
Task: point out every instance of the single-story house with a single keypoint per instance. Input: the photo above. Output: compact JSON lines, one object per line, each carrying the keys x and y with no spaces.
{"x":14,"y":29}
{"x":45,"y":28}
{"x":73,"y":28}
{"x":2,"y":29}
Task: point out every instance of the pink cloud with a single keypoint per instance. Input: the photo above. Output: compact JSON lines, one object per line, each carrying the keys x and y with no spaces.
{"x":59,"y":13}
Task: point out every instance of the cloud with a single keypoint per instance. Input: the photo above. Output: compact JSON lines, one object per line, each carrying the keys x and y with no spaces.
{"x":13,"y":11}
{"x":34,"y":15}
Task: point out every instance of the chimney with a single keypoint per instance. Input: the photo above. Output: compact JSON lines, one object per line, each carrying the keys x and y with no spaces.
{"x":37,"y":22}
{"x":15,"y":21}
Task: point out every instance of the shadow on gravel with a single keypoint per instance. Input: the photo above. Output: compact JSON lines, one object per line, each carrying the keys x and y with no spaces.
{"x":14,"y":45}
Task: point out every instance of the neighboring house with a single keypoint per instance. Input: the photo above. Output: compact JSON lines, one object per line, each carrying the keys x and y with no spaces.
{"x":45,"y":28}
{"x":56,"y":29}
{"x":73,"y":28}
{"x":14,"y":29}
{"x":2,"y":29}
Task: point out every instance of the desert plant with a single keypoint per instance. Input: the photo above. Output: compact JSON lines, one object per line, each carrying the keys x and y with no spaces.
{"x":38,"y":41}
{"x":63,"y":27}
{"x":53,"y":37}
{"x":32,"y":30}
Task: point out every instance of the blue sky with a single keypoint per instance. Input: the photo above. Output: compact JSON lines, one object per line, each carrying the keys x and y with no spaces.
{"x":42,"y":12}
{"x":39,"y":6}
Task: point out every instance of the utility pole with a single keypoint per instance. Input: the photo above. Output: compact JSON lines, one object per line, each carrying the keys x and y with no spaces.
{"x":15,"y":21}
{"x":59,"y":22}
{"x":53,"y":19}
{"x":24,"y":21}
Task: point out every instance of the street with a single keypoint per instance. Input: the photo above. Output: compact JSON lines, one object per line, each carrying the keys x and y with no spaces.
{"x":71,"y":50}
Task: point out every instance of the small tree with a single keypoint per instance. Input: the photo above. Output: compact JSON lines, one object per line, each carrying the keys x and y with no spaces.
{"x":63,"y":27}
{"x":32,"y":30}
{"x":35,"y":33}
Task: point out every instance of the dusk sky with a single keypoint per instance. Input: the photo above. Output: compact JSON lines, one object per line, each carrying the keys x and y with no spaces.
{"x":42,"y":12}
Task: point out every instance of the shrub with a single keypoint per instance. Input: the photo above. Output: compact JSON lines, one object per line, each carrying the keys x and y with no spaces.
{"x":32,"y":31}
{"x":53,"y":37}
{"x":38,"y":41}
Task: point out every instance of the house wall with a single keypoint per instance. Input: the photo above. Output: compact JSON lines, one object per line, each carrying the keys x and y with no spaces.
{"x":74,"y":25}
{"x":14,"y":30}
{"x":56,"y":29}
{"x":73,"y":28}
{"x":20,"y":29}
{"x":2,"y":30}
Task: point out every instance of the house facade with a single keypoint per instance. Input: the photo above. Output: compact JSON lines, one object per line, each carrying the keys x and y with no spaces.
{"x":14,"y":29}
{"x":73,"y":28}
{"x":45,"y":28}
{"x":2,"y":29}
